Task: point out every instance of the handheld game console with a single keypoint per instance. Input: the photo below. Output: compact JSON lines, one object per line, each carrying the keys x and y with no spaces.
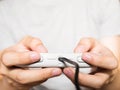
{"x":51,"y":60}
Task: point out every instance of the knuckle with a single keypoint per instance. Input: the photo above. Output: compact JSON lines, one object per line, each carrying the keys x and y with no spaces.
{"x":5,"y":58}
{"x":31,"y":39}
{"x":84,"y":41}
{"x":11,"y":58}
{"x":20,"y":78}
{"x":87,"y":40}
{"x":3,"y":72}
{"x":99,"y":84}
{"x":3,"y":69}
{"x":114,"y":65}
{"x":5,"y":55}
{"x":44,"y":77}
{"x":27,"y":38}
{"x":36,"y":41}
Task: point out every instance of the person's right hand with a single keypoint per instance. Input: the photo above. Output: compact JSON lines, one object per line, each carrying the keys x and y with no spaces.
{"x":25,"y":52}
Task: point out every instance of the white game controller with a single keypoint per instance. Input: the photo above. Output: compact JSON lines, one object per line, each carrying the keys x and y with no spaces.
{"x":51,"y":60}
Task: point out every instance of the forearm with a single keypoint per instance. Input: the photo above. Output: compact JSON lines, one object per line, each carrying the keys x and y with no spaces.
{"x":113,"y":44}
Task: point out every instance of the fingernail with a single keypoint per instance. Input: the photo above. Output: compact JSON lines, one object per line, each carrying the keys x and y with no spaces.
{"x":42,"y":49}
{"x":34,"y":56}
{"x":86,"y":57}
{"x":56,"y":72}
{"x":114,"y":64}
{"x":80,"y":49}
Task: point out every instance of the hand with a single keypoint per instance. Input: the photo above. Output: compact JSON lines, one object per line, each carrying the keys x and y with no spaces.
{"x":97,"y":55}
{"x":25,"y":52}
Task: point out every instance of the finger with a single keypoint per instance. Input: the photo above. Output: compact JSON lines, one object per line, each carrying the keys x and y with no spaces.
{"x":35,"y":75}
{"x":87,"y":80}
{"x":17,"y":58}
{"x":84,"y":45}
{"x":33,"y":43}
{"x":99,"y":79}
{"x":99,"y":60}
{"x":69,"y":72}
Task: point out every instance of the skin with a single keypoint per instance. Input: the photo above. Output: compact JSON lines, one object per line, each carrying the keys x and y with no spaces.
{"x":105,"y":55}
{"x":99,"y":54}
{"x":25,"y":52}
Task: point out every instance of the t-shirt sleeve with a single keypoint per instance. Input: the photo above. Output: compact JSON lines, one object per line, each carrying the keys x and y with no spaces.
{"x":110,"y":18}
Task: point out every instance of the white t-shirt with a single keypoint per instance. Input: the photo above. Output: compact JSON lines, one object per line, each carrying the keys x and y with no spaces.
{"x":59,"y":24}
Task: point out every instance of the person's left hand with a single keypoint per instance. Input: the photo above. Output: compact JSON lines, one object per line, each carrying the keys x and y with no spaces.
{"x":97,"y":55}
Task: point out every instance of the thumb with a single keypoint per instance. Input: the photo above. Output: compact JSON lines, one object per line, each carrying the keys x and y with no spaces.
{"x":85,"y":45}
